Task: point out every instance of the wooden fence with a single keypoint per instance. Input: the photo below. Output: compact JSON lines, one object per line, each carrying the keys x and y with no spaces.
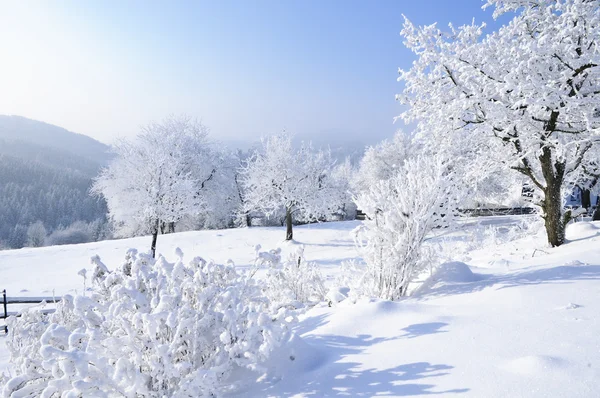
{"x":480,"y":212}
{"x":22,"y":300}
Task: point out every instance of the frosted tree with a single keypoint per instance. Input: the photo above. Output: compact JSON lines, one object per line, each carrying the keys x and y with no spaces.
{"x":221,"y":192}
{"x":401,"y":211}
{"x":526,"y":95}
{"x":343,"y":175}
{"x":242,"y":213}
{"x":158,"y":178}
{"x":298,"y":181}
{"x":36,"y":234}
{"x":382,"y":161}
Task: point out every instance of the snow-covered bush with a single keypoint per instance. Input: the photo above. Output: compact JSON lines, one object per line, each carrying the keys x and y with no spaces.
{"x":293,"y":283}
{"x":36,"y":234}
{"x":79,"y":232}
{"x":149,"y":329}
{"x":401,"y":212}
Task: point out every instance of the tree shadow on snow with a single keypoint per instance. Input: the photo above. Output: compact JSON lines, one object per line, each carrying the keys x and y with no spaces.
{"x":332,"y":243}
{"x":334,"y":261}
{"x":420,"y":329}
{"x":311,"y":323}
{"x":334,"y":377}
{"x":345,"y":226}
{"x":556,"y":275}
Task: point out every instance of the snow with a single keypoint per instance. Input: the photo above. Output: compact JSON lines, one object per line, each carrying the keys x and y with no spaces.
{"x":42,"y":271}
{"x":510,"y":318}
{"x":582,"y":230}
{"x":450,"y":273}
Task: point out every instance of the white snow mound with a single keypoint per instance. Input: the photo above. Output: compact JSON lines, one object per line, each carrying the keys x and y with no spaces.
{"x":454,"y":272}
{"x":581,"y":230}
{"x":534,"y":365}
{"x":450,"y":273}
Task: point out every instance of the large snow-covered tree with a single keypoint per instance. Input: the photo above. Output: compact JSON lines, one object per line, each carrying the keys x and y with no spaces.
{"x":526,"y":95}
{"x":158,"y":178}
{"x":299,"y":181}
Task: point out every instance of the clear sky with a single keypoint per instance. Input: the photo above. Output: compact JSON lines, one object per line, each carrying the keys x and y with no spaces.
{"x":246,"y":68}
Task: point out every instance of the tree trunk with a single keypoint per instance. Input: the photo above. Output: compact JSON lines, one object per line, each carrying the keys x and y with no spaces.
{"x":154,"y":238}
{"x":586,"y":198}
{"x":596,"y":215}
{"x":554,"y":219}
{"x":289,"y":235}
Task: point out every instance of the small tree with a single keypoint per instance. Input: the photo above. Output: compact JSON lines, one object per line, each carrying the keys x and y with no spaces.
{"x":401,"y":211}
{"x":158,"y":178}
{"x":299,"y":181}
{"x":36,"y":234}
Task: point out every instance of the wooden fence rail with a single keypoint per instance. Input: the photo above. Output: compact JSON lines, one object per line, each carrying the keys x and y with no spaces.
{"x":22,"y":300}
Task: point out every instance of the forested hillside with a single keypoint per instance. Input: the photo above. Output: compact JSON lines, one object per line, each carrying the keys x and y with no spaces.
{"x":45,"y":175}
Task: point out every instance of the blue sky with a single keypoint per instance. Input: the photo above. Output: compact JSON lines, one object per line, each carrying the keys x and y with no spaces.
{"x":322,"y":69}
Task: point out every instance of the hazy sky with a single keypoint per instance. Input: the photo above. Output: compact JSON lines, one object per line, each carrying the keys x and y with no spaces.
{"x":246,"y":68}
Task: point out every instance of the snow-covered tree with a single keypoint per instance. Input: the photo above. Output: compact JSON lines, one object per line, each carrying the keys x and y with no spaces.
{"x":525,"y":96}
{"x":36,"y":234}
{"x":158,"y":178}
{"x":344,"y":174}
{"x":401,"y":211}
{"x":221,"y":192}
{"x":382,"y":161}
{"x":299,"y":181}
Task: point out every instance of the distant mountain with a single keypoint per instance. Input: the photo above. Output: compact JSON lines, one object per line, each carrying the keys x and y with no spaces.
{"x":20,"y":130}
{"x":45,"y":174}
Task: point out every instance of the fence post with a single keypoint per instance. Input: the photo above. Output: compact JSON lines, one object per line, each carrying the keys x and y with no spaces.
{"x":5,"y":310}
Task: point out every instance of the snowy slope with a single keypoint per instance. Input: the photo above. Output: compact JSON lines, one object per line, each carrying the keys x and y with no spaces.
{"x":528,"y":330}
{"x":40,"y":271}
{"x":521,"y":320}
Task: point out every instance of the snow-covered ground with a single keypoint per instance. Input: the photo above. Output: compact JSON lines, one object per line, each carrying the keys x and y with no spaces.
{"x":521,"y":320}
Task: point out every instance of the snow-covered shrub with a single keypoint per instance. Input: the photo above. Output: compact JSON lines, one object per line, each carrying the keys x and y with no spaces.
{"x":400,"y":212}
{"x":79,"y":232}
{"x":353,"y":277}
{"x":293,"y":283}
{"x":149,"y":329}
{"x":36,"y":234}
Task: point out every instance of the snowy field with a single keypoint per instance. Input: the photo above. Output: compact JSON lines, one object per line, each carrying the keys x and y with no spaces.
{"x":521,"y":320}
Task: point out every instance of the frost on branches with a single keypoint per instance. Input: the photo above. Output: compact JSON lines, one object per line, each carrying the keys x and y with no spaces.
{"x":300,"y":182}
{"x":148,"y":329}
{"x":382,"y":162}
{"x":159,"y":178}
{"x":293,"y":284}
{"x":401,"y":211}
{"x":527,"y":94}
